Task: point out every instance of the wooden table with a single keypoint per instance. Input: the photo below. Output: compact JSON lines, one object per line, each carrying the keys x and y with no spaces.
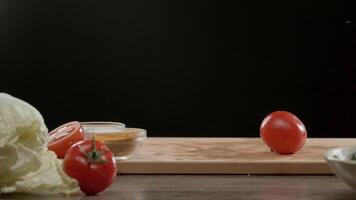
{"x":229,"y":168}
{"x":218,"y":187}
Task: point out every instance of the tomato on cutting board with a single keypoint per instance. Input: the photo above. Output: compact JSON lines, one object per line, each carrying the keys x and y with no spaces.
{"x":283,"y":132}
{"x":92,"y":164}
{"x":63,"y":137}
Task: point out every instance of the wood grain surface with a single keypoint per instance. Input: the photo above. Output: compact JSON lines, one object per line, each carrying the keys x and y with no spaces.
{"x":213,"y":187}
{"x":227,"y":156}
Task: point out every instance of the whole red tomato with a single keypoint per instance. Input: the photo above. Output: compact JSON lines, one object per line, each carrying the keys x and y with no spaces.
{"x":283,"y":132}
{"x":92,"y":164}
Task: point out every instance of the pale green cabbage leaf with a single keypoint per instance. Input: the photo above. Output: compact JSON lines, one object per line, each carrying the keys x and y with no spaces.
{"x":26,"y":165}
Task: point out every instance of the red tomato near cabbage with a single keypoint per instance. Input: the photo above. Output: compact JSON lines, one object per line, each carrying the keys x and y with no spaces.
{"x":92,"y":164}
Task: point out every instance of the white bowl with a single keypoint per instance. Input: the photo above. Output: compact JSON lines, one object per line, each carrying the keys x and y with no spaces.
{"x":339,"y":159}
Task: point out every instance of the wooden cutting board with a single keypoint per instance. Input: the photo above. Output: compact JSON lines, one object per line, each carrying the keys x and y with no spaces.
{"x":227,"y":156}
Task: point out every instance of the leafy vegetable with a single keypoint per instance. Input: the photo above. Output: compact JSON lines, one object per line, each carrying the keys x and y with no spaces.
{"x":25,"y":163}
{"x":352,"y":156}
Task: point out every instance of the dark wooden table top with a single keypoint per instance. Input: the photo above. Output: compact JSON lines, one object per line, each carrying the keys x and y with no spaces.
{"x":217,"y":187}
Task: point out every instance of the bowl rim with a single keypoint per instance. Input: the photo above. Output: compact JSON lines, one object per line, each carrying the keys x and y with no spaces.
{"x":142,"y":133}
{"x":122,"y":125}
{"x":331,"y":152}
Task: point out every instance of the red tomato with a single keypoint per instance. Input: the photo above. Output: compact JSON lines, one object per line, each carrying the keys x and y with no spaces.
{"x":92,"y":164}
{"x":61,"y":138}
{"x":283,"y":132}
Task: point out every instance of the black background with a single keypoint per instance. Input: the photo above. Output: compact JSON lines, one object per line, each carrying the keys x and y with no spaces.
{"x":183,"y":68}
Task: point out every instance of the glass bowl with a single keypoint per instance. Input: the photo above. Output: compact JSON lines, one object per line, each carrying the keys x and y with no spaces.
{"x":100,"y":127}
{"x":123,"y":142}
{"x":342,"y":162}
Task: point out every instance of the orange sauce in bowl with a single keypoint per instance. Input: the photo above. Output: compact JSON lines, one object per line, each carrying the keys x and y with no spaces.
{"x":122,"y":143}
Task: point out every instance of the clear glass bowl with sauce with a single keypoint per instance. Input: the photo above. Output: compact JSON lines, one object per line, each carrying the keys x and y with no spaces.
{"x":123,"y":142}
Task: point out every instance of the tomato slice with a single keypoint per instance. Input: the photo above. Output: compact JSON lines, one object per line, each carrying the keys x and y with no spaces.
{"x":63,"y":137}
